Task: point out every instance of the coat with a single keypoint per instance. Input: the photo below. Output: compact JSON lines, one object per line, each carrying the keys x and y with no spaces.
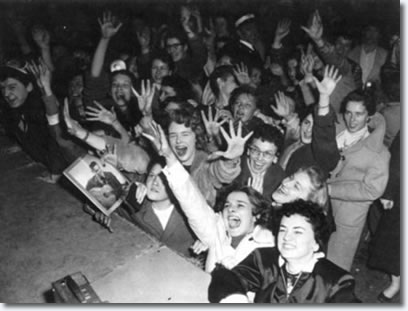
{"x":322,"y":151}
{"x":359,"y":178}
{"x":385,"y":245}
{"x":208,"y":225}
{"x":262,"y":272}
{"x":177,"y":235}
{"x":379,"y":61}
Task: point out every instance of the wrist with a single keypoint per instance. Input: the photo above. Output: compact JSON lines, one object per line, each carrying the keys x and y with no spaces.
{"x":319,"y":42}
{"x":276,"y":45}
{"x":289,"y":117}
{"x":47,"y":90}
{"x":85,"y":137}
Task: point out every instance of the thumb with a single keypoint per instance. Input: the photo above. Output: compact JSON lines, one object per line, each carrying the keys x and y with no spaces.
{"x":215,"y":155}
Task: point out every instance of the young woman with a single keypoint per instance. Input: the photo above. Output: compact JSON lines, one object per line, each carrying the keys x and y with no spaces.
{"x":153,"y":208}
{"x":293,"y":272}
{"x":229,"y":235}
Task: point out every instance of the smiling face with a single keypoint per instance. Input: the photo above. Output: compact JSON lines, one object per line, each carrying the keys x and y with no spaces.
{"x":159,"y":70}
{"x":244,"y":107}
{"x":261,"y":154}
{"x":295,"y":187}
{"x":14,"y":92}
{"x":296,"y":239}
{"x":182,"y":141}
{"x":355,"y":116}
{"x":121,"y":89}
{"x":176,"y":49}
{"x":306,"y":129}
{"x":156,"y":191}
{"x":237,"y":214}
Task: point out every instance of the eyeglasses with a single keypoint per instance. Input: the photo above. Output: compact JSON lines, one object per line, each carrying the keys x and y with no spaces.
{"x":265,"y":154}
{"x":175,"y":46}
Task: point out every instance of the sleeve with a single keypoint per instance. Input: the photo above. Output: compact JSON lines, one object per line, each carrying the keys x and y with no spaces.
{"x":343,"y":291}
{"x":324,"y":145}
{"x":201,"y":217}
{"x":393,"y":186}
{"x":370,"y":188}
{"x":246,"y":276}
{"x":198,"y":51}
{"x":95,"y":88}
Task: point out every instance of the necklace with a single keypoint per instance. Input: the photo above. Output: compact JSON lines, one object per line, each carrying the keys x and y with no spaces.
{"x":291,"y":280}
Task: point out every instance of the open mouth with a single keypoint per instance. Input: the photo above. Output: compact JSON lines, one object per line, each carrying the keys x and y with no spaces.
{"x":258,"y":166}
{"x":233,"y":222}
{"x":181,"y":151}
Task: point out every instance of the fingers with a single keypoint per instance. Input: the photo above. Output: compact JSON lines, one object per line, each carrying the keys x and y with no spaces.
{"x":149,"y":137}
{"x":225,"y":134}
{"x":231,"y":129}
{"x":222,"y":122}
{"x":135,"y":92}
{"x":141,"y":192}
{"x":204,"y":118}
{"x":118,"y":27}
{"x":216,"y":155}
{"x":239,"y":131}
{"x":248,"y":136}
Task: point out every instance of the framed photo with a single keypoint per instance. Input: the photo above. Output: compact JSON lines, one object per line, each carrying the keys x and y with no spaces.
{"x":101,"y":183}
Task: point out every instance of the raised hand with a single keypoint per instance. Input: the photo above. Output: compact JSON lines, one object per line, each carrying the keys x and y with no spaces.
{"x":306,"y":66}
{"x":141,"y":192}
{"x":100,"y":113}
{"x":236,"y":143}
{"x":145,"y":99}
{"x":41,"y":73}
{"x":282,"y":108}
{"x":41,"y":36}
{"x":330,"y":79}
{"x":73,"y":126}
{"x":185,"y":15}
{"x":315,"y":30}
{"x":109,"y":25}
{"x":110,"y":155}
{"x":159,"y":140}
{"x":195,"y":12}
{"x":241,"y":73}
{"x":212,"y":126}
{"x":282,"y":30}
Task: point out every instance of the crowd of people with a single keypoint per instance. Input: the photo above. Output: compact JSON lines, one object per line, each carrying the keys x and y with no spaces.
{"x":264,"y":157}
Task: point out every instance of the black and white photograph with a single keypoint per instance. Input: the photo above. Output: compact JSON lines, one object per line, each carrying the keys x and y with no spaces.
{"x":201,"y":151}
{"x":100,"y":182}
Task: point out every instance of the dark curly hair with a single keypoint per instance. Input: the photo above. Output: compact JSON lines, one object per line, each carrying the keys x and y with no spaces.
{"x":270,"y":134}
{"x":243,"y":89}
{"x":313,"y":214}
{"x":366,"y":97}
